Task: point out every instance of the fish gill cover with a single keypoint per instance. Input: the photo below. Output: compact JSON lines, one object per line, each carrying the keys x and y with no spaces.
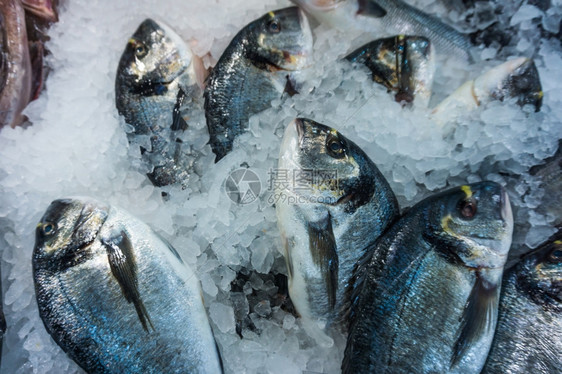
{"x":77,"y":146}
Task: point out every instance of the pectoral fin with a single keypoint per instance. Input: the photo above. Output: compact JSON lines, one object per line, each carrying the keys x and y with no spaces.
{"x":324,"y":254}
{"x":124,"y":269}
{"x":370,"y":8}
{"x":477,"y":317}
{"x":178,"y":123}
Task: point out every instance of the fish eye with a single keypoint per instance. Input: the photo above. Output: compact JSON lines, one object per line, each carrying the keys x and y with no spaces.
{"x":274,"y":26}
{"x":48,"y":229}
{"x":140,"y":50}
{"x":467,"y":208}
{"x":335,"y":147}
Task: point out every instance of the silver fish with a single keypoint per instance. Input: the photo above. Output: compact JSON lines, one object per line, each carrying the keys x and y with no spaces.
{"x":383,"y":18}
{"x":338,"y":204}
{"x":15,"y":65}
{"x":253,"y":71}
{"x":404,"y":64}
{"x":425,"y":300}
{"x":517,"y":78}
{"x":529,"y":334}
{"x":156,"y":84}
{"x":115,"y":296}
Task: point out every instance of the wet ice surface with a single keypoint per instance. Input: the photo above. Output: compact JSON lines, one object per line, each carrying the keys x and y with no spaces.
{"x":77,"y":146}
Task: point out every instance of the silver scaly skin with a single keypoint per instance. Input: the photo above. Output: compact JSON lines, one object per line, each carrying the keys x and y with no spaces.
{"x":529,"y":334}
{"x":550,"y":176}
{"x":383,"y":18}
{"x":115,"y":296}
{"x":426,"y":300}
{"x":155,"y":86}
{"x":326,"y":226}
{"x":254,"y":70}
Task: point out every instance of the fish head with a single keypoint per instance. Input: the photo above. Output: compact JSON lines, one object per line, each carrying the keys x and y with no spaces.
{"x":283,"y":39}
{"x":541,"y":272}
{"x":315,"y":6}
{"x":154,"y":54}
{"x":327,"y":167}
{"x":473,"y":224}
{"x":67,"y":227}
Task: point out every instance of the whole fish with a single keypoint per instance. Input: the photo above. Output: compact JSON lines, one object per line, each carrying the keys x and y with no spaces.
{"x":332,"y":203}
{"x":426,"y":299}
{"x":15,"y":66}
{"x":550,"y":175}
{"x":383,"y":18}
{"x":515,"y":78}
{"x":529,"y":334}
{"x":155,"y":84}
{"x":115,"y":296}
{"x":253,"y":71}
{"x":403,"y":64}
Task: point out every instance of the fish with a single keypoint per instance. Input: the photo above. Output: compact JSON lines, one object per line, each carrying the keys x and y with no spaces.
{"x":158,"y":79}
{"x":384,"y":18}
{"x":332,"y":202}
{"x":425,"y":298}
{"x":517,"y":78}
{"x":528,"y":337}
{"x":15,"y":65}
{"x":254,"y":69}
{"x":404,"y":64}
{"x":550,"y":176}
{"x":115,"y":296}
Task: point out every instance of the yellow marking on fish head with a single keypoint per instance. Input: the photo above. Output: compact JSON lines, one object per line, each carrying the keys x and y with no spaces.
{"x":467,"y":190}
{"x":271,"y":14}
{"x":558,"y":242}
{"x":445,"y":225}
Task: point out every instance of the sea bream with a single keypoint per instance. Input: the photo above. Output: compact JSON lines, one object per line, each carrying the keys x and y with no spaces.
{"x":254,"y":69}
{"x":517,"y":78}
{"x":404,"y":64}
{"x":115,"y":296}
{"x":384,"y":18}
{"x":158,"y":77}
{"x":529,"y":334}
{"x":426,"y":299}
{"x":15,"y":65}
{"x":333,"y":205}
